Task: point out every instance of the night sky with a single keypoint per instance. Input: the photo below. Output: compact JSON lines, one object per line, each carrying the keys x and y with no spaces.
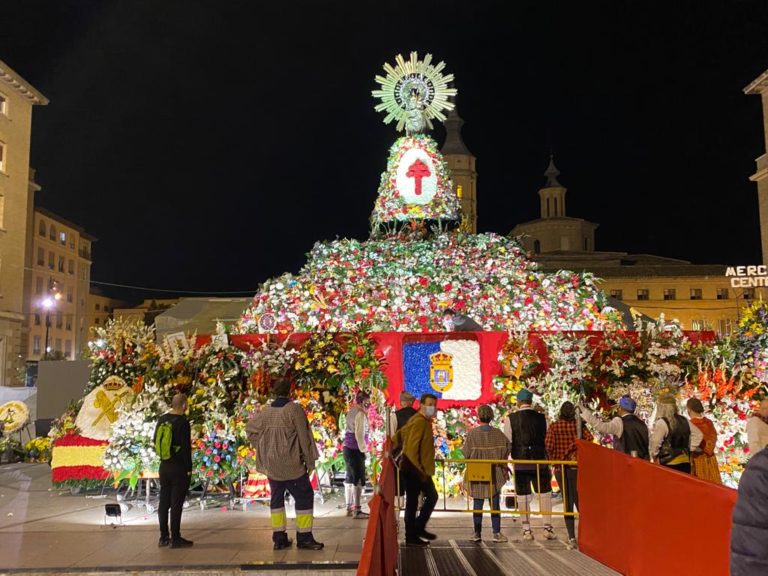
{"x":208,"y":145}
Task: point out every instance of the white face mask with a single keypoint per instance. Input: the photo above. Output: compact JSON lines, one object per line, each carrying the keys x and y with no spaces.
{"x":429,"y":411}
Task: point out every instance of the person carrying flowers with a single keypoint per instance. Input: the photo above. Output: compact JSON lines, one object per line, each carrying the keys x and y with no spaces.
{"x":286,"y":454}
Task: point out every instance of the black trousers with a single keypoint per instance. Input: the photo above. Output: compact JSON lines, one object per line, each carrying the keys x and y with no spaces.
{"x":304,"y":497}
{"x":174,"y":483}
{"x":354,"y":461}
{"x":414,"y":486}
{"x":570,"y":495}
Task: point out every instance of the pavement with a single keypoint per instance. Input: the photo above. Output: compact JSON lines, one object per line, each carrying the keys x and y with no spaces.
{"x":46,"y":531}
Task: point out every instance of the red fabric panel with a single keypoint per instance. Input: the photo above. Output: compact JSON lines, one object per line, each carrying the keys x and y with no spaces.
{"x":642,"y":519}
{"x":604,"y":495}
{"x":380,"y":548}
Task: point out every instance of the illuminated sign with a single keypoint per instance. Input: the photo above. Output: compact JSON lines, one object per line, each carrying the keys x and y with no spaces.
{"x":748,"y":276}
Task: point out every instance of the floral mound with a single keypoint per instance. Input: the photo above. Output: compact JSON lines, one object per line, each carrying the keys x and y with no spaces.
{"x":402,"y":285}
{"x":416,"y":185}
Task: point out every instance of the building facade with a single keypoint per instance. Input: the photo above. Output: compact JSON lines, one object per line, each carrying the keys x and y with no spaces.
{"x":701,"y":297}
{"x":59,"y":287}
{"x":100,"y":310}
{"x":461,"y":163}
{"x":760,"y":87}
{"x":17,"y":99}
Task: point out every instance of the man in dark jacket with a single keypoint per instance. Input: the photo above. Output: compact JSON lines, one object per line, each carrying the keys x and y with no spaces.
{"x":175,"y":473}
{"x":749,"y":533}
{"x":630,"y":433}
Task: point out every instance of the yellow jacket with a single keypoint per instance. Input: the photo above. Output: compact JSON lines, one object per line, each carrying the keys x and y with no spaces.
{"x":415,"y":439}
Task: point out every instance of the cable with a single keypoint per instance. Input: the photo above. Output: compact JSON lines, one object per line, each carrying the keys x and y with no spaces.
{"x":251,"y":292}
{"x":72,"y":277}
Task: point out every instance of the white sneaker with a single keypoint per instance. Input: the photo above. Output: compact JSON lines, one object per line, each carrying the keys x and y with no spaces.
{"x":572,"y":544}
{"x":499,"y":537}
{"x":527,"y":534}
{"x":476,"y":537}
{"x":549,"y":534}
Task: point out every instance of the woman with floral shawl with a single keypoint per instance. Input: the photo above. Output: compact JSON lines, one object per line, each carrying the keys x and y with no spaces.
{"x":703,"y":460}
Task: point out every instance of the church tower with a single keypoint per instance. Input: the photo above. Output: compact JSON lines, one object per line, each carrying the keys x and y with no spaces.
{"x":554,"y":230}
{"x":461,"y":164}
{"x":760,"y":87}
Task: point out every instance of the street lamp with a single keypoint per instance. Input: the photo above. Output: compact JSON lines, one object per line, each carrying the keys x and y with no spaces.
{"x":48,"y":303}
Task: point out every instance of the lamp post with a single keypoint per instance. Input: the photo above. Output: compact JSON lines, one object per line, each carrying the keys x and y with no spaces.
{"x":48,"y":304}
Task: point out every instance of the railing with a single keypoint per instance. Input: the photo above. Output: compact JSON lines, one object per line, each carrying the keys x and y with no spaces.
{"x":482,"y":471}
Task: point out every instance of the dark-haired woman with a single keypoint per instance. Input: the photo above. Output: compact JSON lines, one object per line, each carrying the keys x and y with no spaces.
{"x":561,"y":445}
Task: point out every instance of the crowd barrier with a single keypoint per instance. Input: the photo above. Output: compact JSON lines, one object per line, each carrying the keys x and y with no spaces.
{"x":380,"y":548}
{"x":482,"y":471}
{"x":642,"y":519}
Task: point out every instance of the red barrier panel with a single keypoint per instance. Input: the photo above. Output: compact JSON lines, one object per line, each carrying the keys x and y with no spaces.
{"x":380,"y":549}
{"x":642,"y":519}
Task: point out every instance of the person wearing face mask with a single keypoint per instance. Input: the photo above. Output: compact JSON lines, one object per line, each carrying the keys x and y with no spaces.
{"x":455,"y":322}
{"x":417,"y":444}
{"x":354,"y":448}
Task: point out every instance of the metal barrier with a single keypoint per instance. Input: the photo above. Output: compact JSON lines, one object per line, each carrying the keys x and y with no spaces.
{"x":482,"y":471}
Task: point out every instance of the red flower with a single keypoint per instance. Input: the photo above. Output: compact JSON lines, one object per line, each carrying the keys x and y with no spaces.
{"x":359,"y":351}
{"x":365,"y":372}
{"x":423,"y":281}
{"x":217,"y":458}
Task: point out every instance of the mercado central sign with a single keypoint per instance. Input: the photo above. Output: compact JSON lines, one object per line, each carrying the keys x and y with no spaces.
{"x":747,"y":276}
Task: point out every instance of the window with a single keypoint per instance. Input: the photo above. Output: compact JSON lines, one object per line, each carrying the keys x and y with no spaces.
{"x":722,"y":294}
{"x":41,"y":257}
{"x":536,"y":247}
{"x":58,"y":345}
{"x":51,"y":260}
{"x":642,"y":294}
{"x":2,"y":157}
{"x":36,"y":344}
{"x":617,"y":293}
{"x":749,"y":294}
{"x":72,"y":241}
{"x":61,"y":263}
{"x":71,"y":267}
{"x":3,"y":104}
{"x":41,"y":228}
{"x":52,"y":233}
{"x":63,"y":238}
{"x":586,"y":244}
{"x":68,"y":348}
{"x":69,"y":294}
{"x":38,"y":319}
{"x":670,"y":294}
{"x":724,"y":326}
{"x":700,"y":325}
{"x":98,"y":307}
{"x":97,"y":321}
{"x":39,"y":285}
{"x":59,"y":321}
{"x":68,"y":323}
{"x":695,"y":293}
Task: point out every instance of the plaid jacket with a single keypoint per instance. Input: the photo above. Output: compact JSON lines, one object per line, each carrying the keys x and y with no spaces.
{"x":561,"y":439}
{"x":285,"y":447}
{"x":487,"y":443}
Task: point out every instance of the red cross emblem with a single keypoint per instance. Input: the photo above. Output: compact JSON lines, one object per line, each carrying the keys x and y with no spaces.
{"x":417,"y":171}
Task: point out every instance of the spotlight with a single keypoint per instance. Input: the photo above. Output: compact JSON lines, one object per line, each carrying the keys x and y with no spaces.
{"x":113,"y":511}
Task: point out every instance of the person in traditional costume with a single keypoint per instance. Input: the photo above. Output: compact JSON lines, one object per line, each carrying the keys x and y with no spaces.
{"x":487,"y":443}
{"x":757,"y":428}
{"x":704,"y":463}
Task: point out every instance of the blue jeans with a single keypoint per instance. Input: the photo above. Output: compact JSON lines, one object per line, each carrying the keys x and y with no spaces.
{"x":477,"y":517}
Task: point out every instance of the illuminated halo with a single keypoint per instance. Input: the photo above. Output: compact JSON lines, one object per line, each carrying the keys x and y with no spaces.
{"x":416,"y":75}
